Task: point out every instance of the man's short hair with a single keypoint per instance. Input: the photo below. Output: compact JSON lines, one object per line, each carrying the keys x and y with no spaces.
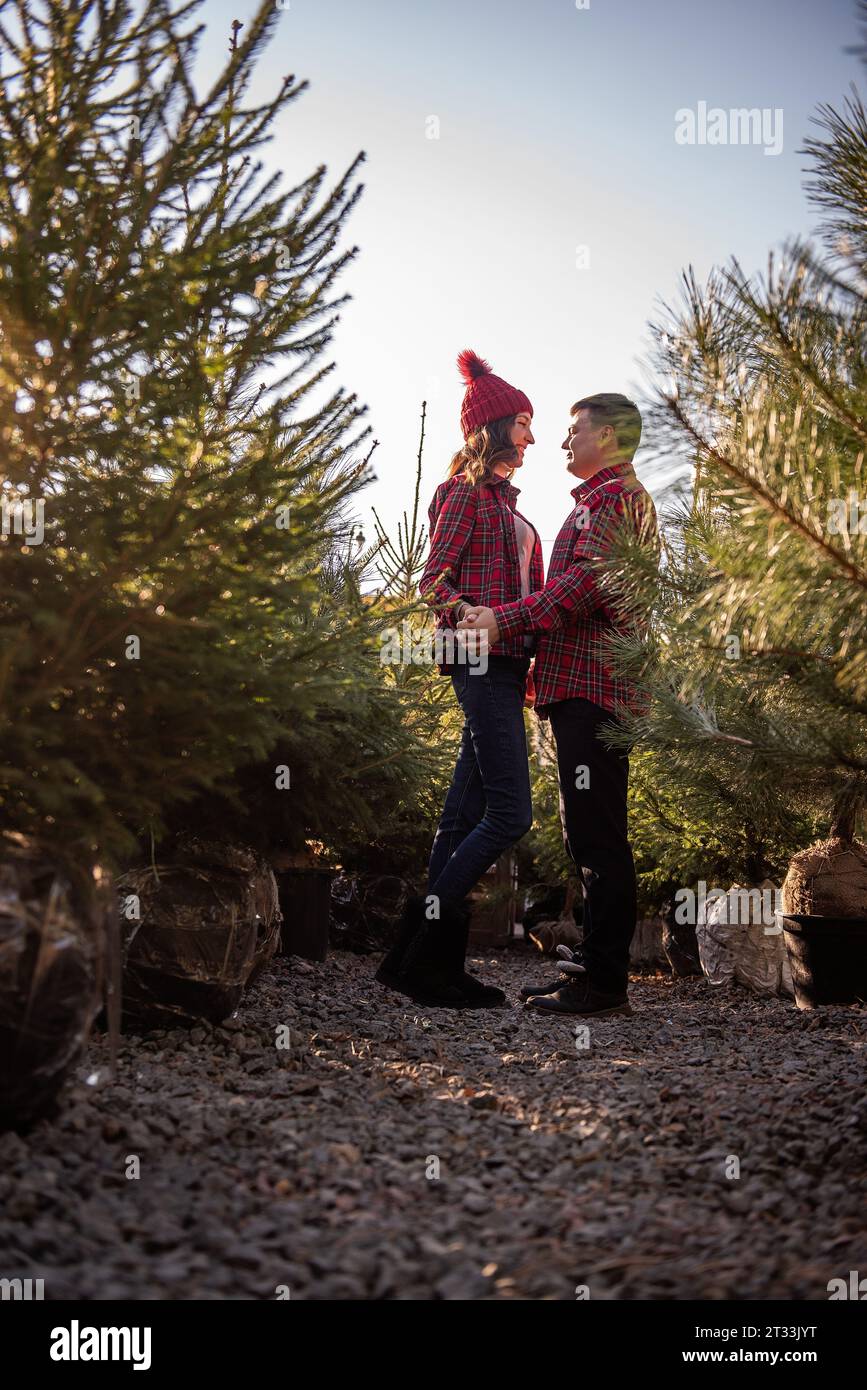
{"x":622,"y":414}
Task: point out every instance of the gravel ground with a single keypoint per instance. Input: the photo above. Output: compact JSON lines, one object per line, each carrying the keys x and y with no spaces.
{"x":314,"y":1166}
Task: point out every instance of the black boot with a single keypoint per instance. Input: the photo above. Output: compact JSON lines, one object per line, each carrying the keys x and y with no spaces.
{"x":433,"y":967}
{"x":411,"y":921}
{"x":483,"y":996}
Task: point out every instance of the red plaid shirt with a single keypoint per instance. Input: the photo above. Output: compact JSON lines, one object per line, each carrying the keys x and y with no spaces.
{"x":474,"y":554}
{"x":576,"y":610}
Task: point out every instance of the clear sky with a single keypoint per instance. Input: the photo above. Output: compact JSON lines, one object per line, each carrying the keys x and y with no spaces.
{"x":556,"y":131}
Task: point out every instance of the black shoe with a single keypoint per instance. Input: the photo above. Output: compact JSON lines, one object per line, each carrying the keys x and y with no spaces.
{"x":571,"y":964}
{"x":531,"y":991}
{"x":432,"y":972}
{"x":580,"y":996}
{"x":410,"y":924}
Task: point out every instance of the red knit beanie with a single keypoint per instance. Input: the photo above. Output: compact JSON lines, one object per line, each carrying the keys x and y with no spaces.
{"x":487,"y":397}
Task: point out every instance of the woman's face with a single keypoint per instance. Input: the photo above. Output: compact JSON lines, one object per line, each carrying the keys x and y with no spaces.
{"x":521,"y":435}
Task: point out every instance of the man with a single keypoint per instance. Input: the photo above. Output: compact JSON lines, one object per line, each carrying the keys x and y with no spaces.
{"x":576,"y":687}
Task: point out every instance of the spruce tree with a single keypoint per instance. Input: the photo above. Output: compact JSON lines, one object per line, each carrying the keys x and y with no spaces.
{"x":165,"y":313}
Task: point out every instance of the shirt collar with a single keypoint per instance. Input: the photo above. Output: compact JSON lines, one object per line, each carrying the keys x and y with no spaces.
{"x":614,"y":470}
{"x":497,"y":480}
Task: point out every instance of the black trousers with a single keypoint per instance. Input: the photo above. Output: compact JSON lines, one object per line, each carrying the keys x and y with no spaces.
{"x":593,"y":785}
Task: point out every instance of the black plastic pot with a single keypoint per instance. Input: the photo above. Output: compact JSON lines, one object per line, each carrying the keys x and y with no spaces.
{"x":828,"y":956}
{"x":305,"y":901}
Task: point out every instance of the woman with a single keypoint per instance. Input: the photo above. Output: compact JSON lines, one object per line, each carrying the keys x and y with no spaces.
{"x":482,"y":551}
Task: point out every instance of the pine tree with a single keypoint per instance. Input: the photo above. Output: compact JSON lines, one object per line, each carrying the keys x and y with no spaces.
{"x":164,"y":314}
{"x":758,"y":658}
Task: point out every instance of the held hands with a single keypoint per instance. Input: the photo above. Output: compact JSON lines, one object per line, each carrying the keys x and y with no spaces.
{"x":480,"y":620}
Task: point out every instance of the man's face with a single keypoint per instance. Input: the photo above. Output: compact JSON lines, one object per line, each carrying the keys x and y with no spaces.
{"x":585,"y":446}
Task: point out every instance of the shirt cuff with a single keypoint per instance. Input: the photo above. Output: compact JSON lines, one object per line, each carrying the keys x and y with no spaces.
{"x":511,"y":618}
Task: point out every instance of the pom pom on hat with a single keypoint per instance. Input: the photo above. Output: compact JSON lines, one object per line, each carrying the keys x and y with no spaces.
{"x":471,"y":366}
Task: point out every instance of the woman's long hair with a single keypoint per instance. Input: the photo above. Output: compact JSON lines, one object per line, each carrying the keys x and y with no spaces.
{"x":484,"y":448}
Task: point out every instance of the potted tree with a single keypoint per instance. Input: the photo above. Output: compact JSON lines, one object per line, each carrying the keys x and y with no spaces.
{"x":205,"y":924}
{"x":825,"y":914}
{"x":55,"y":925}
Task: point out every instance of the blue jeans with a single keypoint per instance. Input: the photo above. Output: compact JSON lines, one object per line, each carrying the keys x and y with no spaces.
{"x":488,"y":806}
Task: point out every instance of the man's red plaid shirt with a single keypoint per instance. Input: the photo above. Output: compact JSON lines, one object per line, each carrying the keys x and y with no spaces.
{"x":576,"y":610}
{"x":474,"y":554}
